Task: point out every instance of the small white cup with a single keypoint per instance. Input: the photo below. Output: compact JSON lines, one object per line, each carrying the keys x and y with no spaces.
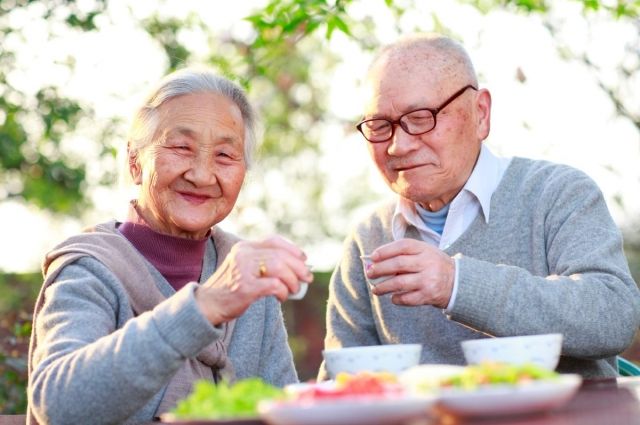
{"x":302,"y":291}
{"x":366,"y":262}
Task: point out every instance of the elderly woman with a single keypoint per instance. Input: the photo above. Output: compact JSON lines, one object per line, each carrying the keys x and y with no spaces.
{"x":132,"y":312}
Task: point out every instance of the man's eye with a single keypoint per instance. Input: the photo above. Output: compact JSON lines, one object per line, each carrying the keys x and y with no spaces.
{"x":418,"y":117}
{"x":377,"y":125}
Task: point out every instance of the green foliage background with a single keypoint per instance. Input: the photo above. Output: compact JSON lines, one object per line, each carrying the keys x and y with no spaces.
{"x":278,"y":65}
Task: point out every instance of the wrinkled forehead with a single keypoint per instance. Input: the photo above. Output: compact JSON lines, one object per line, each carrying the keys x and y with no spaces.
{"x":410,"y":79}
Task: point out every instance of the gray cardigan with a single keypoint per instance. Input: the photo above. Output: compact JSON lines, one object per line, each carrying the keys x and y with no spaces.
{"x":550,"y":259}
{"x":97,"y":363}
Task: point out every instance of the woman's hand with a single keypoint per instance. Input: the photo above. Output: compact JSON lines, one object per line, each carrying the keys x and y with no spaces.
{"x":252,"y":270}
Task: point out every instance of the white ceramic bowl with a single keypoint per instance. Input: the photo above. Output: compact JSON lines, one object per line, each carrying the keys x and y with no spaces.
{"x":542,"y":350}
{"x":392,"y":358}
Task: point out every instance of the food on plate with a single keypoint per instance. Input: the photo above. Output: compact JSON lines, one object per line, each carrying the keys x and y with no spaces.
{"x":351,"y":399}
{"x":426,"y":379}
{"x":491,"y":373}
{"x":361,"y":384}
{"x":225,"y":401}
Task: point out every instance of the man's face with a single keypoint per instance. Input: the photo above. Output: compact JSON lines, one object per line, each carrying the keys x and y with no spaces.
{"x":190,"y":176}
{"x":430,"y":168}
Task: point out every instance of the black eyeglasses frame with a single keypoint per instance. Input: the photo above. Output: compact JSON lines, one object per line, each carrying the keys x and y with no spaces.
{"x":398,"y":122}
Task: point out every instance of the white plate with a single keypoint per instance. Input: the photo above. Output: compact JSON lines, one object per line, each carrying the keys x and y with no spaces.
{"x":346,"y":411}
{"x":499,"y":400}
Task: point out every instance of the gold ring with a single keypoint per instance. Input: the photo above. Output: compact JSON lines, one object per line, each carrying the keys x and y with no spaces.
{"x":262,"y":268}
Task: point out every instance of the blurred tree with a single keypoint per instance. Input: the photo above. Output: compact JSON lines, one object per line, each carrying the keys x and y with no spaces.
{"x":275,"y":63}
{"x":31,"y":164}
{"x":284,"y":63}
{"x":619,"y":84}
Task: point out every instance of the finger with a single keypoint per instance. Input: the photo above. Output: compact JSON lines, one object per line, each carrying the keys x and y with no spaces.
{"x":399,"y":247}
{"x":396,"y":284}
{"x":283,"y":266}
{"x":272,"y":286}
{"x":390,"y":266}
{"x":279,"y":242}
{"x":413,"y":289}
{"x":401,"y":264}
{"x":407,"y":298}
{"x":292,"y":266}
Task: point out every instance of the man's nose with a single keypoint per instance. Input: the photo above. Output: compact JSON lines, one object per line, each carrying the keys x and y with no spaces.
{"x":402,"y":142}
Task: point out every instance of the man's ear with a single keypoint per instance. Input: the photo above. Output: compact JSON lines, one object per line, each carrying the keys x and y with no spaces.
{"x":483,"y":107}
{"x":134,"y":165}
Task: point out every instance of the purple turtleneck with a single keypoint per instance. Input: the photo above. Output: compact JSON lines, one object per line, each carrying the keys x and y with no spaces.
{"x":179,"y":260}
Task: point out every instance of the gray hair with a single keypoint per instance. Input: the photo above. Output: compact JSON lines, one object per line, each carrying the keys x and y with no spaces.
{"x":452,"y":58}
{"x":183,"y":82}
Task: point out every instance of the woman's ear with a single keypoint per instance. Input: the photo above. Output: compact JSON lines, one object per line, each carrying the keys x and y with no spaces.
{"x":134,"y":165}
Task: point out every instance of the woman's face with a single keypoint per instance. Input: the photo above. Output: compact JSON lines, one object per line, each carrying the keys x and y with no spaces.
{"x":190,"y":176}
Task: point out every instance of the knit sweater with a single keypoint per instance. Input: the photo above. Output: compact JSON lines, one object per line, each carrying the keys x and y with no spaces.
{"x":97,"y":362}
{"x":549,"y":260}
{"x":179,"y":260}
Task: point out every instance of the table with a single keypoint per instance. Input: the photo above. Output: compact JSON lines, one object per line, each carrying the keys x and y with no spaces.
{"x":598,"y":402}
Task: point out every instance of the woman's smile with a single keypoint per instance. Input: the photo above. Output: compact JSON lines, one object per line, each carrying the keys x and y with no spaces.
{"x":195,"y":198}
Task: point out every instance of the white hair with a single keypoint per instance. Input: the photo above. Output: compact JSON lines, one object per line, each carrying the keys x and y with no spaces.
{"x":183,"y":82}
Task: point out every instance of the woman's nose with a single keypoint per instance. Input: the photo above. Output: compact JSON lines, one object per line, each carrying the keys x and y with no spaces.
{"x":201,"y":171}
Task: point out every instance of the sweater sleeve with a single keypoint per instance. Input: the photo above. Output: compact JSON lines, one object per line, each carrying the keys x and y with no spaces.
{"x":349,"y":312}
{"x":276,"y":361}
{"x":581,"y":287}
{"x":94,"y":361}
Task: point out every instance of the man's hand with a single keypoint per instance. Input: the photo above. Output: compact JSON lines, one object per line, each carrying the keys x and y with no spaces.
{"x":423,"y":274}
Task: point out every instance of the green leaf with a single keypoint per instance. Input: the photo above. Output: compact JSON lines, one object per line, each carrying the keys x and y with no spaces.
{"x":342,"y":26}
{"x":331,"y":25}
{"x":591,"y":4}
{"x":530,"y":5}
{"x":224,"y":401}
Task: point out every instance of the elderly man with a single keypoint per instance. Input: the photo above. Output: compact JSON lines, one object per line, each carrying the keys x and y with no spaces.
{"x":475,"y":245}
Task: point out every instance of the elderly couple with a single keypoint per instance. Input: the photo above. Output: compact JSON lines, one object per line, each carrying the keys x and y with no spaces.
{"x":132,"y":312}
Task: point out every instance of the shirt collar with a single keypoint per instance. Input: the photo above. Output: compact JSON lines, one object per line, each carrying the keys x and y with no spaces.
{"x":482,"y":182}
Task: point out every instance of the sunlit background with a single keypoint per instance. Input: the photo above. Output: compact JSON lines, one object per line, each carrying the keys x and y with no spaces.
{"x":564,"y":77}
{"x":548,"y":102}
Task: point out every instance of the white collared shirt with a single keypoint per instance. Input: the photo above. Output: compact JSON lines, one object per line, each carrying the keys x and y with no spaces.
{"x":473,"y":199}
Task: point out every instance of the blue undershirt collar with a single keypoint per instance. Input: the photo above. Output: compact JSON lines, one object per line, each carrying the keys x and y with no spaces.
{"x":434,"y":220}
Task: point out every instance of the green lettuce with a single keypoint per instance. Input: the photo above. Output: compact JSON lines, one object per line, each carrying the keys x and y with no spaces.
{"x":498,"y":373}
{"x":224,"y":401}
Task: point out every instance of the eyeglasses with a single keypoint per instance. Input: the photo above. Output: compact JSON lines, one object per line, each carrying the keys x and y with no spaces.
{"x":419,"y":121}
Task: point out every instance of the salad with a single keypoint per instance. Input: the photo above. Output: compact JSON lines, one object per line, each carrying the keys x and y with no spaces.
{"x":490,"y":373}
{"x":225,"y":401}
